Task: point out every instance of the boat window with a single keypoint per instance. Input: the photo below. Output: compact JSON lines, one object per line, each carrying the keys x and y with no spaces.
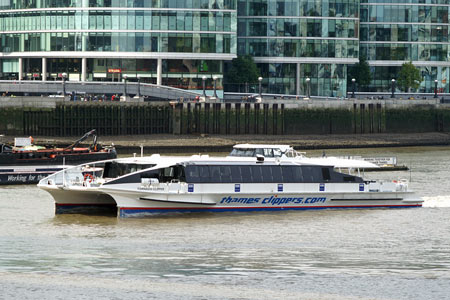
{"x":225,"y":174}
{"x":150,"y":174}
{"x":243,"y":152}
{"x":349,"y":178}
{"x":326,"y":174}
{"x":169,"y":172}
{"x":256,"y":174}
{"x":235,"y":152}
{"x":276,"y":174}
{"x":276,"y":152}
{"x":192,"y":174}
{"x":288,"y":175}
{"x":215,"y":173}
{"x":259,"y":151}
{"x":266,"y":173}
{"x":262,"y":174}
{"x":246,"y":174}
{"x":289,"y":153}
{"x":236,"y":174}
{"x":297,"y":174}
{"x":308,"y":175}
{"x":204,"y":174}
{"x":268,"y":152}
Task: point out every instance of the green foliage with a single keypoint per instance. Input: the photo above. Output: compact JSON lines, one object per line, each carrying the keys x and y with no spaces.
{"x":409,"y":77}
{"x":361,"y":72}
{"x":243,"y":70}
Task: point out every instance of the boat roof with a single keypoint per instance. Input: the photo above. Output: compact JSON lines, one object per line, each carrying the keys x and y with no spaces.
{"x":283,"y":148}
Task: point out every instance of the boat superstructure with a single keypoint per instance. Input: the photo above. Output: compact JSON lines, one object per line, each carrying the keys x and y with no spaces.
{"x":269,"y":151}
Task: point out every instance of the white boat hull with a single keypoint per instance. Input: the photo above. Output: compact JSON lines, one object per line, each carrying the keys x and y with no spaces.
{"x":141,"y":203}
{"x":80,"y":199}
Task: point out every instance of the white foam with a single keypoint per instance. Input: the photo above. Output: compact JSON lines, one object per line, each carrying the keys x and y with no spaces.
{"x":436,"y":201}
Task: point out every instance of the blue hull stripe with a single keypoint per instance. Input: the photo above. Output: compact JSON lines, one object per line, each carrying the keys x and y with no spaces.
{"x":126,"y":211}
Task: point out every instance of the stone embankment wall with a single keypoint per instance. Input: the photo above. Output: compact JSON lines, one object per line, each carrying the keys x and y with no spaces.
{"x":56,"y":117}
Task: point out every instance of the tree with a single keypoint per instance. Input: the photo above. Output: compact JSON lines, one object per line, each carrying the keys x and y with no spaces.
{"x":409,"y":77}
{"x":361,"y":72}
{"x":243,"y":70}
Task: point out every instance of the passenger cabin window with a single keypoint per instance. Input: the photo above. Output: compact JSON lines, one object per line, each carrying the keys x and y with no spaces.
{"x":114,"y":169}
{"x":264,"y":174}
{"x":326,"y":174}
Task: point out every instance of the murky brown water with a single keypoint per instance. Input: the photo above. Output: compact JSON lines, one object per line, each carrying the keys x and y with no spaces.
{"x":335,"y":254}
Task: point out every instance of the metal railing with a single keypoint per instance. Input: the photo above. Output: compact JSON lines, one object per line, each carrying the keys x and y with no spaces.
{"x":96,"y":88}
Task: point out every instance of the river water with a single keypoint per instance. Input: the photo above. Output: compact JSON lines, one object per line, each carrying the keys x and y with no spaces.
{"x":333,"y":254}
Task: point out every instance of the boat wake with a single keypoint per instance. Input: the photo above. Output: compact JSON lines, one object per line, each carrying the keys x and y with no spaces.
{"x":436,"y":201}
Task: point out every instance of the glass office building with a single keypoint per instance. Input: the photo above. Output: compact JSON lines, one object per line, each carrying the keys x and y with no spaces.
{"x":292,"y":40}
{"x":393,"y":32}
{"x":168,"y":42}
{"x":177,"y":42}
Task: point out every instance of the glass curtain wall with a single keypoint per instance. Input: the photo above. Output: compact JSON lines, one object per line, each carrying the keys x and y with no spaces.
{"x":111,"y":26}
{"x":300,"y":38}
{"x":407,"y":30}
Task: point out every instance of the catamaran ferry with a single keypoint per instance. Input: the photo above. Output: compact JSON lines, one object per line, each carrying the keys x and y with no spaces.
{"x":211,"y":184}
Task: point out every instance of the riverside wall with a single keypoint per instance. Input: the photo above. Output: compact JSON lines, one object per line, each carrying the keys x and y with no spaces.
{"x":58,"y":118}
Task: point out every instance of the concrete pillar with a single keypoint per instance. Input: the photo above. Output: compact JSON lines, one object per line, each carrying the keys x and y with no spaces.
{"x":20,"y":68}
{"x":83,"y":68}
{"x":44,"y":69}
{"x":159,"y":72}
{"x":298,"y":87}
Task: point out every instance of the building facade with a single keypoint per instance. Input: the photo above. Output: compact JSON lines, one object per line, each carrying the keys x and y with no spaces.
{"x":298,"y":45}
{"x":168,"y":42}
{"x":394,"y":32}
{"x":293,"y":40}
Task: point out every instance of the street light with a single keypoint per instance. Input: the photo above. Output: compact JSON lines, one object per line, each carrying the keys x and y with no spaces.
{"x":308,"y":87}
{"x":125,"y":77}
{"x":215,"y":87}
{"x":139,"y":86}
{"x":435,"y":88}
{"x":64,"y":76}
{"x":260,"y":87}
{"x":393,"y":88}
{"x":353,"y":87}
{"x":204,"y":86}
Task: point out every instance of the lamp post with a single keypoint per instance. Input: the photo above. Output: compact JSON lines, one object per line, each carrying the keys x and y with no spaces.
{"x":308,"y":87}
{"x":435,"y":88}
{"x":64,"y":76}
{"x":260,"y":87}
{"x":204,"y":86}
{"x":353,"y":87}
{"x":139,"y":86}
{"x":215,"y":87}
{"x":125,"y":77}
{"x":393,"y":88}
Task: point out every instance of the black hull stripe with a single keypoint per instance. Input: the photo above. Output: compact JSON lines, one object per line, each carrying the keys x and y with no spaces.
{"x":377,"y":199}
{"x":185,"y":202}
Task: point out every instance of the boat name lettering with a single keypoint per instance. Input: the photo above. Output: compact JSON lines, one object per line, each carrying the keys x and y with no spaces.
{"x":273,"y":200}
{"x":24,"y":178}
{"x":151,"y":188}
